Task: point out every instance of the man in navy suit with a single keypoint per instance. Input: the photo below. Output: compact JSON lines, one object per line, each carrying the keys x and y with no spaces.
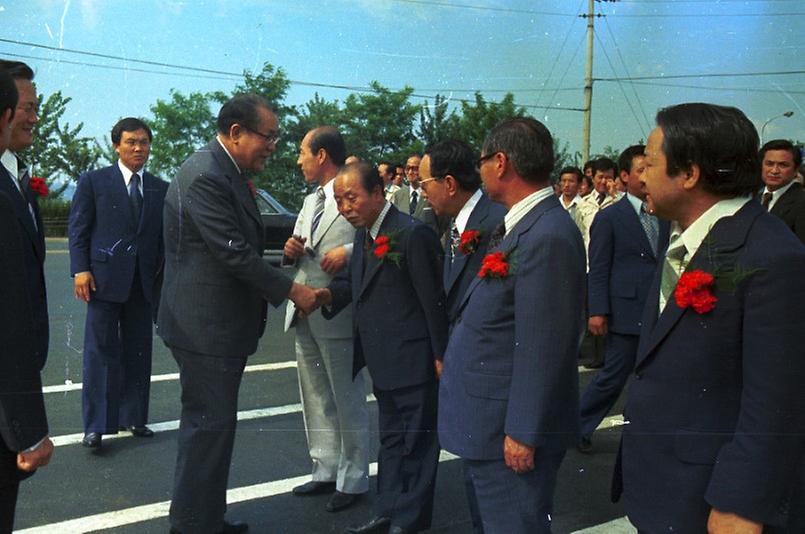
{"x":453,"y":187}
{"x":508,"y":395}
{"x":24,"y":442}
{"x":715,"y":409}
{"x":400,"y":332}
{"x":782,"y":196}
{"x":116,"y":253}
{"x":626,"y":241}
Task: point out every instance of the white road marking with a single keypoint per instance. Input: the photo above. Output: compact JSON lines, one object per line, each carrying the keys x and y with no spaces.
{"x":616,"y":526}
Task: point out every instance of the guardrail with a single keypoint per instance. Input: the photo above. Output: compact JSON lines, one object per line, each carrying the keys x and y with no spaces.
{"x":55,"y":226}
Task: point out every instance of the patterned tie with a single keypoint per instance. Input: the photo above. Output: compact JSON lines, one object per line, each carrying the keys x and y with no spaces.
{"x":766,"y":200}
{"x":412,"y":205}
{"x":318,"y":211}
{"x":24,"y":180}
{"x":672,"y":268}
{"x":136,"y":198}
{"x":601,"y":197}
{"x":455,"y":241}
{"x":497,"y":236}
{"x":651,"y":226}
{"x":368,"y":242}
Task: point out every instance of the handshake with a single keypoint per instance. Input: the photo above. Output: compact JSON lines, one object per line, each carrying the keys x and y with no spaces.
{"x":308,"y":299}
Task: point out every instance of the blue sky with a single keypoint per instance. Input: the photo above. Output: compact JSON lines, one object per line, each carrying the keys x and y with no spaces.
{"x":531,"y":48}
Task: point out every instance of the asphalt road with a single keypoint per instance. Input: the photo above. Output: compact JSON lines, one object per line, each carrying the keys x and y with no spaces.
{"x":80,"y":489}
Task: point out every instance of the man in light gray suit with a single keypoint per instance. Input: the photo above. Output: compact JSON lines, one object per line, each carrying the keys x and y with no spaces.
{"x":409,"y":199}
{"x":213,"y":306}
{"x":334,"y":406}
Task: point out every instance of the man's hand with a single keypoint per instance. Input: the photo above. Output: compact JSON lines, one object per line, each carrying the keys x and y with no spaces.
{"x":294,"y":247}
{"x":519,"y":456}
{"x":334,"y":260}
{"x":30,"y":461}
{"x":323,"y":297}
{"x":726,"y":523}
{"x":304,"y":297}
{"x":597,"y":325}
{"x":438,"y":365}
{"x":84,"y":284}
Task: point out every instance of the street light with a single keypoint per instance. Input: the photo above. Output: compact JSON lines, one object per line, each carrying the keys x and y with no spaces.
{"x":785,"y":114}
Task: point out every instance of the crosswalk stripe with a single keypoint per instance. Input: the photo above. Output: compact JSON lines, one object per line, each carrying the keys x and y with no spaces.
{"x":146,"y":512}
{"x":616,"y":526}
{"x":278,"y":366}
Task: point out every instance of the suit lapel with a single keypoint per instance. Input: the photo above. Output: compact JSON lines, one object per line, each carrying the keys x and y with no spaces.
{"x":633,"y":225}
{"x":120,"y":195}
{"x":149,"y":200}
{"x":327,"y":219}
{"x":475,"y":222}
{"x":717,"y":250}
{"x":783,"y":203}
{"x":238,"y":181}
{"x":373,"y":264}
{"x":21,"y":211}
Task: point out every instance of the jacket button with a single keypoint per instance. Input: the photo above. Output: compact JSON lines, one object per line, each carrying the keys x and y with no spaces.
{"x":638,"y":376}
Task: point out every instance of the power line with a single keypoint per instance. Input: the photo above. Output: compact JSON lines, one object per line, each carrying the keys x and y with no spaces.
{"x":626,"y":70}
{"x":559,"y":54}
{"x":620,"y":85}
{"x":702,"y":16}
{"x":711,"y":88}
{"x":564,"y":74}
{"x":486,"y":8}
{"x":708,"y":75}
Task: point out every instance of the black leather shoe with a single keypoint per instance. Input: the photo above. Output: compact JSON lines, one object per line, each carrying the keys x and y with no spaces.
{"x":314,"y":487}
{"x":376,"y":524}
{"x":398,"y":530}
{"x":339,"y":501}
{"x":92,"y":440}
{"x":234,"y":528}
{"x":139,"y":431}
{"x":585,"y":446}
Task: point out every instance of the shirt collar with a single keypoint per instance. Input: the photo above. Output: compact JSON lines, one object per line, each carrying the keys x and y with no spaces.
{"x":128,"y":172}
{"x":217,"y":138}
{"x":635,"y":202}
{"x":573,"y":202}
{"x":779,"y":192}
{"x":375,"y":229}
{"x":9,"y":160}
{"x":694,"y":235}
{"x":463,"y":216}
{"x":520,"y":209}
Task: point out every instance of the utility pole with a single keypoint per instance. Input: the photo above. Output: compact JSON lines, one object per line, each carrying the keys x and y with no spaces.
{"x":588,"y":83}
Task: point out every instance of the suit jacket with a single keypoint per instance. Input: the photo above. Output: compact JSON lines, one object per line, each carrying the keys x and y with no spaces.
{"x":33,"y":249}
{"x":424,"y":211}
{"x":333,"y":231}
{"x":216,"y":282}
{"x":22,"y":409}
{"x":459,"y":272}
{"x":511,"y":364}
{"x":400,"y":324}
{"x":622,"y":266}
{"x":716,"y":409}
{"x":790,"y":207}
{"x":586,"y":212}
{"x":104,"y":238}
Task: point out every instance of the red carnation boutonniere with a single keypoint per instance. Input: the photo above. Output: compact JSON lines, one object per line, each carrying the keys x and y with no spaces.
{"x":384,"y":249}
{"x":495,"y":265}
{"x":39,"y":186}
{"x":252,"y":189}
{"x":695,"y":290}
{"x":470,"y":239}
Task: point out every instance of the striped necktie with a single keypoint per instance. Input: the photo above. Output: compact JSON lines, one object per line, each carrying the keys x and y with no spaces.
{"x":650,"y":226}
{"x":318,"y":211}
{"x":672,"y":269}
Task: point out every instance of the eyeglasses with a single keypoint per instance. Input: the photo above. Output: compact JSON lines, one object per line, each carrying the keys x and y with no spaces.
{"x":435,"y":178}
{"x":271,"y":137}
{"x":412,"y":168}
{"x":482,"y":159}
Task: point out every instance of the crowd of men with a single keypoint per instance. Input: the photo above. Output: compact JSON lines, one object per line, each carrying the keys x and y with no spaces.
{"x":458,"y":285}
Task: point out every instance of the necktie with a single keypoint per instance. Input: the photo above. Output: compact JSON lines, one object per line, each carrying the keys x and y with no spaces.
{"x":766,"y":200}
{"x":24,"y":180}
{"x":318,"y":211}
{"x":367,"y":249}
{"x":672,"y":268}
{"x":650,"y":226}
{"x":601,"y":197}
{"x":412,"y":205}
{"x":497,"y":236}
{"x":455,"y":241}
{"x":135,"y":197}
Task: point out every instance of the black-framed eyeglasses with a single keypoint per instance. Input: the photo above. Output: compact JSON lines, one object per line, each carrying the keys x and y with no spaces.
{"x":272,"y":137}
{"x":482,"y":159}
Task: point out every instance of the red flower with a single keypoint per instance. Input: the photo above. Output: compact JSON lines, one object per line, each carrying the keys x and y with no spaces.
{"x":252,"y":189}
{"x":494,"y":265}
{"x":39,"y":186}
{"x":694,"y":290}
{"x":381,"y":240}
{"x":470,"y":239}
{"x":383,"y":249}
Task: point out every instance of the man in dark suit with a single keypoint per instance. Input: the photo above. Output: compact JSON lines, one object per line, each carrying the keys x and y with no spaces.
{"x":116,"y":251}
{"x":213,"y":306}
{"x":782,"y":196}
{"x":508,"y":395}
{"x":716,"y":412}
{"x":24,"y":442}
{"x":399,"y":332}
{"x":408,"y":199}
{"x":626,"y":242}
{"x":453,"y":187}
{"x":24,"y":200}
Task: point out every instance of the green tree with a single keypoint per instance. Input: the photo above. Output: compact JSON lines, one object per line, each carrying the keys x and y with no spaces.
{"x":436,"y":122}
{"x":478,"y":118}
{"x":60,"y":153}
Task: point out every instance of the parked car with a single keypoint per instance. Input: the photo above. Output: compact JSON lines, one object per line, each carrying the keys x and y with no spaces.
{"x":278,"y":222}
